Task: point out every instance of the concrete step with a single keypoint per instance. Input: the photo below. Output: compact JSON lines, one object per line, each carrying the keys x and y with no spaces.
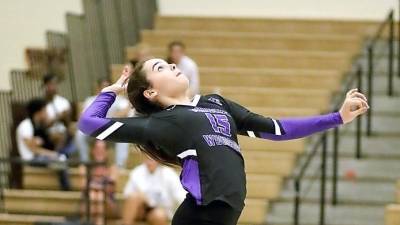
{"x":382,"y":103}
{"x":344,"y":214}
{"x":381,"y":86}
{"x":349,"y":192}
{"x":372,"y":147}
{"x":381,"y":125}
{"x":363,"y":168}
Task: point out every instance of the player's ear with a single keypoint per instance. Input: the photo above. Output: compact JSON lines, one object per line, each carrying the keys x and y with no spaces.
{"x":150,"y":94}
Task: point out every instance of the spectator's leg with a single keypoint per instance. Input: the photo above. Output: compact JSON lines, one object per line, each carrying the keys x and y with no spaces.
{"x":68,"y":148}
{"x":157,"y":216}
{"x":133,"y":208}
{"x":81,"y":142}
{"x":121,"y":154}
{"x":63,"y":179}
{"x":40,"y":161}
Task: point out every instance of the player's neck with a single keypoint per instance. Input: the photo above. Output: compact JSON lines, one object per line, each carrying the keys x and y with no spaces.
{"x":178,"y":100}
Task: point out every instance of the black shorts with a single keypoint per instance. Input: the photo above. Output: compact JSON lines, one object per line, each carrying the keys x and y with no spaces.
{"x":215,"y":213}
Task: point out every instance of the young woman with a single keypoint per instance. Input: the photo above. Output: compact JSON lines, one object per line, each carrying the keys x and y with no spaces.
{"x":200,"y":135}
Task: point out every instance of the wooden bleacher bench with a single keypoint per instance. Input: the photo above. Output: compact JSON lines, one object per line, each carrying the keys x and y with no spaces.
{"x":273,"y":97}
{"x":59,"y":203}
{"x":340,"y":61}
{"x":276,"y":26}
{"x":262,"y":40}
{"x":267,"y":74}
{"x":18,"y":219}
{"x":392,"y":214}
{"x":398,"y":191}
{"x":265,"y":184}
{"x":392,"y":211}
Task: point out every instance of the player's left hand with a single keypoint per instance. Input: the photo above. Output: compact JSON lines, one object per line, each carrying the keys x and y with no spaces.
{"x":354,"y":105}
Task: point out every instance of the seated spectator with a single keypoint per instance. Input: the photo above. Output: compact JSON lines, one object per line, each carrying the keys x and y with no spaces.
{"x":59,"y":114}
{"x":120,"y":108}
{"x":176,"y":55}
{"x":101,"y":187}
{"x":140,"y":52}
{"x":34,"y":143}
{"x":151,"y":194}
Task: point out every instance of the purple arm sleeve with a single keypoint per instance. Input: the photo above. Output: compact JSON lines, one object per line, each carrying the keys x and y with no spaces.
{"x":93,"y":119}
{"x":254,"y":125}
{"x":293,"y":128}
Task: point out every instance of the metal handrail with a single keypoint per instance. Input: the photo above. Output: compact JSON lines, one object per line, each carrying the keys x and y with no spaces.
{"x":69,"y":163}
{"x":322,"y":139}
{"x":322,"y":142}
{"x":389,"y":21}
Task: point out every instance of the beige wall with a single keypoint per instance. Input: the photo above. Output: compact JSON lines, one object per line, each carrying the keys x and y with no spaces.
{"x":336,"y":9}
{"x":23,"y":23}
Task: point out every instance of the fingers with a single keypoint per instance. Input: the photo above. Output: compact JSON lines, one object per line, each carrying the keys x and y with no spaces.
{"x":359,"y":95}
{"x":351,"y":92}
{"x":128,"y":69}
{"x":360,"y":111}
{"x":363,"y":102}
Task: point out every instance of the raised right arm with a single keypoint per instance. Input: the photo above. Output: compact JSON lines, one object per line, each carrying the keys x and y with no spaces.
{"x":93,"y":122}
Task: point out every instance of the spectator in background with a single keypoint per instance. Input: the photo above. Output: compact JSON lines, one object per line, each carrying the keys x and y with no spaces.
{"x":139,"y":53}
{"x":34,"y":143}
{"x":152,"y":193}
{"x":102,"y":186}
{"x":176,"y":55}
{"x":120,"y":108}
{"x":59,"y":114}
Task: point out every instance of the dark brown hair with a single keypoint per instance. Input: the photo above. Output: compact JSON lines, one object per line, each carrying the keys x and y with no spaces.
{"x":176,"y":43}
{"x":137,"y":84}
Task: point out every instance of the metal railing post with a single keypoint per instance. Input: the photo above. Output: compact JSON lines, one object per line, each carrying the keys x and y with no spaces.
{"x":335,"y":165}
{"x":398,"y":42}
{"x":369,"y":91}
{"x":296,"y":209}
{"x":323,"y":181}
{"x":87,"y":193}
{"x":391,"y":52}
{"x":359,"y":120}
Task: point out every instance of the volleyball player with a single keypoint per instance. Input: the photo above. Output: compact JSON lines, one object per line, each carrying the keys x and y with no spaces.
{"x":200,"y":135}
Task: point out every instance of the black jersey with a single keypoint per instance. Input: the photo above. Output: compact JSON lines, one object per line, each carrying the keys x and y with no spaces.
{"x":203,"y":138}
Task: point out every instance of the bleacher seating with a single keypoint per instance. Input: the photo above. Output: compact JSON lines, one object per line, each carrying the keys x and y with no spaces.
{"x":274,"y":67}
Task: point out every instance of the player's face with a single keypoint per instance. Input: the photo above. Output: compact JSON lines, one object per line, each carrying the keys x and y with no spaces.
{"x":166,"y":79}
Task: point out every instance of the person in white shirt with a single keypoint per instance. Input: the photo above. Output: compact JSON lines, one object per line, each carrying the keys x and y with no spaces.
{"x":152,"y":193}
{"x":120,"y":108}
{"x":33,"y":141}
{"x":59,"y":114}
{"x":176,"y":54}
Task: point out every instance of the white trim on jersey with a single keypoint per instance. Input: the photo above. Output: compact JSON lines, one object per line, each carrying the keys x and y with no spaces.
{"x":277,"y":128}
{"x":109,"y":130}
{"x":251,"y":134}
{"x":196,"y":100}
{"x":189,"y":152}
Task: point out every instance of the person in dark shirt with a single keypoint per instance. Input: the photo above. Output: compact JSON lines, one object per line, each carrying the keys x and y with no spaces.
{"x":200,"y":135}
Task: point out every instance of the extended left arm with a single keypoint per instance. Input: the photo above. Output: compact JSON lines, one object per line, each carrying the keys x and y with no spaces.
{"x":255,"y":125}
{"x":292,"y":128}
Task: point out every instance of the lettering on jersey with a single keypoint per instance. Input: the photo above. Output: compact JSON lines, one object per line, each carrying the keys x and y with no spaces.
{"x":215,"y":100}
{"x":208,"y":110}
{"x":218,"y":140}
